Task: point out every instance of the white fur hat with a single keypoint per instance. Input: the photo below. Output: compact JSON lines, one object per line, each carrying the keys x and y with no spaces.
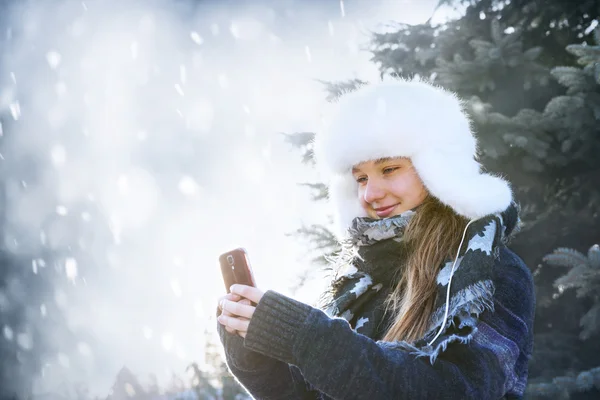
{"x":410,"y":119}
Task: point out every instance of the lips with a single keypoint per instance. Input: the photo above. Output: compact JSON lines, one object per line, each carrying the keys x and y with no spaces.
{"x":383,"y":212}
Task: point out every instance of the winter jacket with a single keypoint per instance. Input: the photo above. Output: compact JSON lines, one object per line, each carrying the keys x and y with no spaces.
{"x":294,"y":351}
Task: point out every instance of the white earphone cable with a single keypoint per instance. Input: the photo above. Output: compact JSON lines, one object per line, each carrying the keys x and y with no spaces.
{"x":449,"y":283}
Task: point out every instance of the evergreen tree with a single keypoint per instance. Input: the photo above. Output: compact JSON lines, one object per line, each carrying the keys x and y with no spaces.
{"x":584,"y":276}
{"x":530,"y":75}
{"x":213,"y":380}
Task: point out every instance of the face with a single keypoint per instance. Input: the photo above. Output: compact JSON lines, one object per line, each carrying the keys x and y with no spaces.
{"x":388,"y":186}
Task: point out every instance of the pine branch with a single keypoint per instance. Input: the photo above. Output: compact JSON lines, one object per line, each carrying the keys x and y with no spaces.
{"x":574,"y":79}
{"x":589,"y":56}
{"x":503,"y":53}
{"x":407,"y":51}
{"x":337,"y":89}
{"x":577,"y":276}
{"x":559,"y":136}
{"x":594,"y":256}
{"x":323,"y":242}
{"x":524,"y":137}
{"x":299,"y":139}
{"x":319,"y":190}
{"x":302,"y":141}
{"x":584,"y":275}
{"x":565,"y":257}
{"x":562,"y":387}
{"x":321,"y":237}
{"x":590,"y":323}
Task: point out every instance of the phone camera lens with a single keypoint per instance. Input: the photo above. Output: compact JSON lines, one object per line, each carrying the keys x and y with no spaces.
{"x":230,"y":259}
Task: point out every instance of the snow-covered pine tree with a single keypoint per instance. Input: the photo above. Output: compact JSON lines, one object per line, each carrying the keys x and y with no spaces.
{"x":201,"y":383}
{"x":584,"y":276}
{"x":213,"y":380}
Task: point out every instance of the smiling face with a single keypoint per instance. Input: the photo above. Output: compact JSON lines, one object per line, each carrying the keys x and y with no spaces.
{"x":388,"y":186}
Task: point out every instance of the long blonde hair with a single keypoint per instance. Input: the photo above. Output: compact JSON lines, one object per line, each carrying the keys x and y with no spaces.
{"x":433,"y":235}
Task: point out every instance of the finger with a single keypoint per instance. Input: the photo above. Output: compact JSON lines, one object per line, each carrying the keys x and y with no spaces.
{"x":245,"y":302}
{"x":234,"y":323}
{"x":226,"y":313}
{"x":229,"y":296}
{"x":238,"y":309}
{"x":235,"y":332}
{"x":249,"y":292}
{"x":230,"y":330}
{"x":233,"y":297}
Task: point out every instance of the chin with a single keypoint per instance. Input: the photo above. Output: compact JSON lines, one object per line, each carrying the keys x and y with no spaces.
{"x":398,"y":211}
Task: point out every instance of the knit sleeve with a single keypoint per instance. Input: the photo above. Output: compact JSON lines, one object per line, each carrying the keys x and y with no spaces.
{"x":346,"y":365}
{"x":261,"y":376}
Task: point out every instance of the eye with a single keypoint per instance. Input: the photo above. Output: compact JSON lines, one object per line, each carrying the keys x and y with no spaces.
{"x":361,"y":179}
{"x":389,"y":170}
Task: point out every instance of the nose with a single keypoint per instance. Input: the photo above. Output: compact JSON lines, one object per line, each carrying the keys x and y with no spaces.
{"x":374,"y":191}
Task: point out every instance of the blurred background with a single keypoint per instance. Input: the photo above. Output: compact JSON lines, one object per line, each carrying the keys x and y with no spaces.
{"x":139,"y":140}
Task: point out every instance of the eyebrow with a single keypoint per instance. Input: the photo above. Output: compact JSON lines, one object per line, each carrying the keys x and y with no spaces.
{"x":379,"y":161}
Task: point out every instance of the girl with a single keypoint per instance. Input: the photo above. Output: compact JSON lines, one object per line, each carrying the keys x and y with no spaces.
{"x":428,"y":302}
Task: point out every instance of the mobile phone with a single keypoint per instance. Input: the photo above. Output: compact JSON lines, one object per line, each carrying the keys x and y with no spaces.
{"x":235,"y":268}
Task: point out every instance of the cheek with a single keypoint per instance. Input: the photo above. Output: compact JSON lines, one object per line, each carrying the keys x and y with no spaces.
{"x":408,"y":186}
{"x":419,"y":192}
{"x":401,"y":186}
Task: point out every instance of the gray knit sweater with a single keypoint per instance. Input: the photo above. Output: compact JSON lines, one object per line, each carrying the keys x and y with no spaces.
{"x":295,"y":351}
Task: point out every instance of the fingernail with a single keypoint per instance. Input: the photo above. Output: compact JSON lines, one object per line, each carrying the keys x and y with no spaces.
{"x":232,"y":288}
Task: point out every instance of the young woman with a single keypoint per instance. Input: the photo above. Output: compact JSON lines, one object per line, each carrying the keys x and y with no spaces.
{"x":428,"y":302}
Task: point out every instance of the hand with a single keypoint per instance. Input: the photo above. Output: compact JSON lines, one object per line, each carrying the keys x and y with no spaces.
{"x":236,"y":308}
{"x":234,"y":298}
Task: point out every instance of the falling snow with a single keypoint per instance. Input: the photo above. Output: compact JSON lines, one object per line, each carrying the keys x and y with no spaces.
{"x":7,"y":332}
{"x":71,"y":269}
{"x":25,"y":341}
{"x":62,"y":210}
{"x":15,"y":110}
{"x":178,"y":89}
{"x":144,"y":141}
{"x":196,"y":38}
{"x":188,"y":186}
{"x":308,"y":55}
{"x":53,"y":58}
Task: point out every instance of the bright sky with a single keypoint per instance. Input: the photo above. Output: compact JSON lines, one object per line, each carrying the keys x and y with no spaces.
{"x":232,"y":77}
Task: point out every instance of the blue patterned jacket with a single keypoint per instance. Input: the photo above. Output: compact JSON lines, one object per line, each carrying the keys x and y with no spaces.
{"x":294,"y":351}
